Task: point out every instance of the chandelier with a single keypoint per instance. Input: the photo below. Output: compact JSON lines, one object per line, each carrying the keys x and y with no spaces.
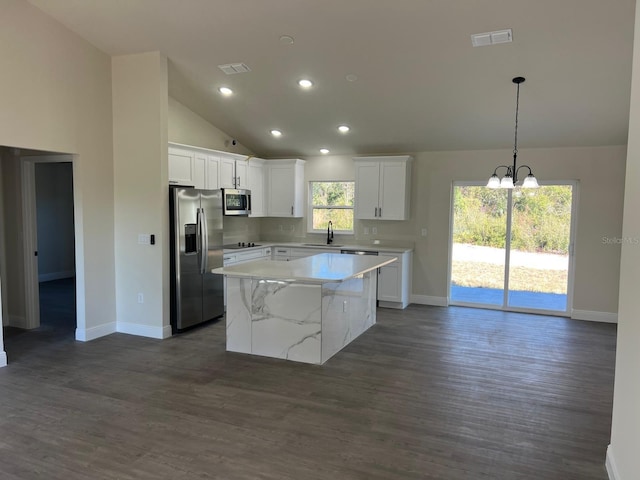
{"x":510,"y":178}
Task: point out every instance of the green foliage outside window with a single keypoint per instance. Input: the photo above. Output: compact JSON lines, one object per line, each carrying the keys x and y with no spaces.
{"x":540,"y":222}
{"x":332,"y":201}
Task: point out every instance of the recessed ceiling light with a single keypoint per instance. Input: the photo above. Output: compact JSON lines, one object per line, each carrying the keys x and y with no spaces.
{"x":343,"y":128}
{"x":225,"y":91}
{"x":305,"y":83}
{"x":276,"y":133}
{"x":352,"y":77}
{"x":324,"y":151}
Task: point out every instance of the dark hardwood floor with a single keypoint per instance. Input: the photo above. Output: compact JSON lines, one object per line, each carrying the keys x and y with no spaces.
{"x":427,"y":393}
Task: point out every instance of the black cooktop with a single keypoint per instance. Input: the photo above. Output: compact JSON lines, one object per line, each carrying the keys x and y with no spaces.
{"x":239,"y":245}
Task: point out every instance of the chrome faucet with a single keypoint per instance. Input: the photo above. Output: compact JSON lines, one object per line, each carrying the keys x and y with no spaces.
{"x":329,"y":233}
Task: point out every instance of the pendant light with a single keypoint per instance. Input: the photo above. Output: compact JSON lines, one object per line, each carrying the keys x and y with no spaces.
{"x":510,"y":178}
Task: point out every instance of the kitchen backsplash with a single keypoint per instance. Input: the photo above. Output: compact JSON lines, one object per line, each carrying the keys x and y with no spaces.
{"x":240,"y":229}
{"x":399,"y":233}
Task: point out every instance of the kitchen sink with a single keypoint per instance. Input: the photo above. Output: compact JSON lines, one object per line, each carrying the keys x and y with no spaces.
{"x":331,"y":245}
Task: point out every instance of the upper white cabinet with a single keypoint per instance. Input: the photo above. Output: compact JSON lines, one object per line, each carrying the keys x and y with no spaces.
{"x":181,"y":166}
{"x":285,"y":188}
{"x":256,"y":183}
{"x":383,"y":187}
{"x":233,"y":172}
{"x":207,"y":171}
{"x":211,"y":169}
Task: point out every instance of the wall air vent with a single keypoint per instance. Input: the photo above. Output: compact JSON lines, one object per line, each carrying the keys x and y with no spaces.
{"x":491,"y":38}
{"x":232,"y":68}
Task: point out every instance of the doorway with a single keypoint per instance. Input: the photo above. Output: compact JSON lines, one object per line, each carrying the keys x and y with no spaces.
{"x":39,"y":249}
{"x":513,"y":249}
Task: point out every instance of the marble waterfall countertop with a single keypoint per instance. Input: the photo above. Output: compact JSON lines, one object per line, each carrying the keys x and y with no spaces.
{"x":321,"y":268}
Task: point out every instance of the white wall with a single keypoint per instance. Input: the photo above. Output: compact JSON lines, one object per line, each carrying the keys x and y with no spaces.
{"x":54,"y":211}
{"x":14,"y":305}
{"x":623,"y":462}
{"x":55,"y":94}
{"x":140,"y":110}
{"x":188,"y":128}
{"x":599,"y":170}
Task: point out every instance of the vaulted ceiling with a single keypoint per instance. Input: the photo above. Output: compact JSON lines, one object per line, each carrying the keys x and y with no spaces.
{"x":420,"y":84}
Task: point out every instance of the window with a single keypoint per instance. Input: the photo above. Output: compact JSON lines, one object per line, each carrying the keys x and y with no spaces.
{"x":331,"y":201}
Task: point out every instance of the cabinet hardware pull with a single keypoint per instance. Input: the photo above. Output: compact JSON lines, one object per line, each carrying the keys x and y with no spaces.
{"x":291,"y":209}
{"x":380,"y":212}
{"x":375,"y":213}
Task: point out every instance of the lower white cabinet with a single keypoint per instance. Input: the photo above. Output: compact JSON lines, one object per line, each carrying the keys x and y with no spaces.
{"x":281,"y":254}
{"x":394,"y":281}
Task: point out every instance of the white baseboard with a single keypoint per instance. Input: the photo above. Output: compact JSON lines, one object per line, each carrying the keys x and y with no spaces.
{"x":144,"y":330}
{"x":47,"y":277}
{"x":590,"y":316}
{"x":88,"y":334}
{"x":396,"y":305}
{"x":16,"y":321}
{"x":612,"y":470}
{"x":429,"y":300}
{"x":3,"y":358}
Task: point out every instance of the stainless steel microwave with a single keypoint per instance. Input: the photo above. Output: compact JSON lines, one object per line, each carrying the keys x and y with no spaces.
{"x":236,"y":202}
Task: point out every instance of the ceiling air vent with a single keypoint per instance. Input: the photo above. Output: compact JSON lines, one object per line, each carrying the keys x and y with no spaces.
{"x":491,"y":38}
{"x":231,"y":68}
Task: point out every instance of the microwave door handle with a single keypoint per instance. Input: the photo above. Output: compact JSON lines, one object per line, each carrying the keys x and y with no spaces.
{"x":249,"y":203}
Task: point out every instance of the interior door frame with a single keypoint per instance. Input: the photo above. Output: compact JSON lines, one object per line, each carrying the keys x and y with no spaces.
{"x":575,"y":199}
{"x":30,"y":232}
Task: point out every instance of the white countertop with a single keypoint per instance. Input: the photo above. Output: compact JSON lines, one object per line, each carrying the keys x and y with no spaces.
{"x":337,"y":248}
{"x":321,"y":268}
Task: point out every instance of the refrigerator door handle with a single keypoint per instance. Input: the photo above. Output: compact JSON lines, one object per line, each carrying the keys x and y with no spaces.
{"x":205,"y":242}
{"x":200,"y":230}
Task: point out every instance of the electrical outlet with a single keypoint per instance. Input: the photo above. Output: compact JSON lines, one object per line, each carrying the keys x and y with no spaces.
{"x":424,"y":232}
{"x":281,"y":227}
{"x":140,"y":298}
{"x":366,"y":230}
{"x":344,"y":306}
{"x":374,"y":230}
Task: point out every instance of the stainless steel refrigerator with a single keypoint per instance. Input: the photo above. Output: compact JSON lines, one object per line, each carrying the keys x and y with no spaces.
{"x":196,"y":248}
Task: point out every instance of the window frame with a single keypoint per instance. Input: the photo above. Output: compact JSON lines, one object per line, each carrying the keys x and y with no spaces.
{"x":311,"y":207}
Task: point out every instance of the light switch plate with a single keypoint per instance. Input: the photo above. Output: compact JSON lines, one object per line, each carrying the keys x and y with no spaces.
{"x":144,"y":239}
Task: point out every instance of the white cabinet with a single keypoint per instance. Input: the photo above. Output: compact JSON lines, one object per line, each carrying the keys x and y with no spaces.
{"x":256,"y":183}
{"x":383,"y":187}
{"x":394,"y":281}
{"x":292,"y":253}
{"x":181,"y":167}
{"x":211,"y":169}
{"x":207,"y":171}
{"x":281,"y":254}
{"x":233,"y":172}
{"x":285,"y":188}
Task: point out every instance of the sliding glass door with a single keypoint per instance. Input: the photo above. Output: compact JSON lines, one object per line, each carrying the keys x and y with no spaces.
{"x":510,"y":249}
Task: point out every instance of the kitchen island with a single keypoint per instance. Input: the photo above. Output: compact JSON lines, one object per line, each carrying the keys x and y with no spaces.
{"x":304,"y":310}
